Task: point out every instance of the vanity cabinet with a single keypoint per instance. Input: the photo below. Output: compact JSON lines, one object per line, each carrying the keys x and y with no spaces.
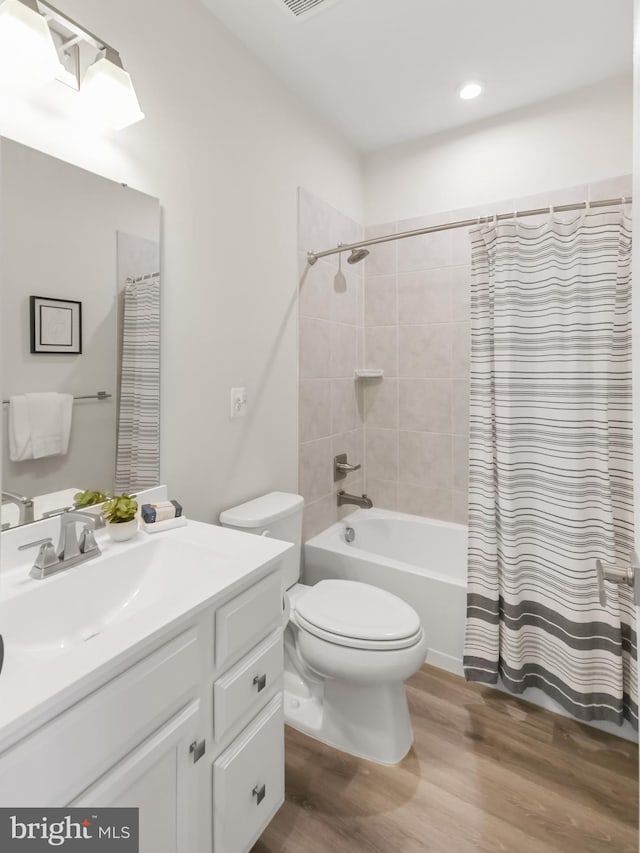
{"x":134,"y":740}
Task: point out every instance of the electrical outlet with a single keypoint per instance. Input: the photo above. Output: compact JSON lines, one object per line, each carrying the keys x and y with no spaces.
{"x":238,"y":402}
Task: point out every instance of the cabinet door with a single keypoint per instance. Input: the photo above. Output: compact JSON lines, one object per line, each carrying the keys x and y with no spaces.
{"x":161,"y":780}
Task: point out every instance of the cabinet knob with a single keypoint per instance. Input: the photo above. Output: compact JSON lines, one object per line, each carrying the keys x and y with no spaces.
{"x":259,"y":792}
{"x":260,"y":682}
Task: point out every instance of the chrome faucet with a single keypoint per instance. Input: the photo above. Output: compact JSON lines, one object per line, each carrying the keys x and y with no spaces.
{"x":364,"y":502}
{"x":71,"y":551}
{"x":24,"y":504}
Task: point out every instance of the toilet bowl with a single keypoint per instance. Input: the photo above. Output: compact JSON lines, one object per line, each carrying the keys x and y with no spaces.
{"x":349,"y":647}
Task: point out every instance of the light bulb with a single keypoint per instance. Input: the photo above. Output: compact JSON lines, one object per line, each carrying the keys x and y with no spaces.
{"x":28,"y":57}
{"x":107,"y":96}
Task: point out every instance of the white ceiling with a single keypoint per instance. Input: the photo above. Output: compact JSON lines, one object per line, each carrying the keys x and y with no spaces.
{"x":384,"y":71}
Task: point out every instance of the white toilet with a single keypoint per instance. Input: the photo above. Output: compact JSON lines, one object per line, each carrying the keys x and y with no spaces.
{"x":349,"y":647}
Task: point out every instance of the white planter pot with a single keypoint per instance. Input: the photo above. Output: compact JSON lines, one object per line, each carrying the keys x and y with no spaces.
{"x":124,"y":531}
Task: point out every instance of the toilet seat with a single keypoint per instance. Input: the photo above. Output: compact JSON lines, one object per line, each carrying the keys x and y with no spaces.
{"x":356,"y":643}
{"x":357,"y":615}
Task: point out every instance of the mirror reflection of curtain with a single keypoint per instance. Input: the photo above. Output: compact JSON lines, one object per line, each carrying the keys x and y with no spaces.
{"x":138,"y":452}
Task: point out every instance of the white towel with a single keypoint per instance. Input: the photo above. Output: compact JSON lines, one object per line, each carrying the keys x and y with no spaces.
{"x":39,"y":425}
{"x":19,"y":431}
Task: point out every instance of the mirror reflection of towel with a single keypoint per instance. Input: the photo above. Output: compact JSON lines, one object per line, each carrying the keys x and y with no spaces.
{"x":39,"y":425}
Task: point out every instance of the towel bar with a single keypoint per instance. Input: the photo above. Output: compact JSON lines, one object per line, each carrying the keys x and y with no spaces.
{"x":100,"y":395}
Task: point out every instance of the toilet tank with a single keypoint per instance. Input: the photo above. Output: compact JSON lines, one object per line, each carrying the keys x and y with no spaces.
{"x":279,"y":515}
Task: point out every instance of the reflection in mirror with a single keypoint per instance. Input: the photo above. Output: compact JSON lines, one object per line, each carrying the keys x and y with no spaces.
{"x":79,"y":265}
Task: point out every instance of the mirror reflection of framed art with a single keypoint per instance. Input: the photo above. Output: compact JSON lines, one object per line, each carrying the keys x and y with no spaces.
{"x":56,"y":325}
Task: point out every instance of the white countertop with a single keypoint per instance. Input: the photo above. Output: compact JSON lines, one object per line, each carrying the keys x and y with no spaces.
{"x":33,"y":689}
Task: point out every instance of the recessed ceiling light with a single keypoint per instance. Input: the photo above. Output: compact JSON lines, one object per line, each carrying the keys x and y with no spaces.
{"x":470,"y":90}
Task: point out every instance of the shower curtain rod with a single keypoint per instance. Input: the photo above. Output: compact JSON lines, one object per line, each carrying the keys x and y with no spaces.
{"x":312,"y":257}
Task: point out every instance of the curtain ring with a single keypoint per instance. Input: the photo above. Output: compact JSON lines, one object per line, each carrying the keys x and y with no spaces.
{"x":587,"y":205}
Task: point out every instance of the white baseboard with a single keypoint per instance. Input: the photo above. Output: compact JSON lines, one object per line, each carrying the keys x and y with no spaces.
{"x":446,"y":662}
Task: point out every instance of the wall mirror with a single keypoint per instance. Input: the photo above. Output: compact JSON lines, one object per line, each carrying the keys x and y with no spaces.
{"x":79,"y":266}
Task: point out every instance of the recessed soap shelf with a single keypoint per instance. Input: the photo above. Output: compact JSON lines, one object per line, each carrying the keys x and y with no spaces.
{"x":368,"y":373}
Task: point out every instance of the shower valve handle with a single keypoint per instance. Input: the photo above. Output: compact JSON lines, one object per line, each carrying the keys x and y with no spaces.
{"x":341,"y":467}
{"x":345,"y":466}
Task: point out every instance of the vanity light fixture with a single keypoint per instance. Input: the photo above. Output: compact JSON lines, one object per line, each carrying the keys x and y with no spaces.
{"x":107,"y":94}
{"x":28,"y":57}
{"x":470,"y":90}
{"x":38,"y":44}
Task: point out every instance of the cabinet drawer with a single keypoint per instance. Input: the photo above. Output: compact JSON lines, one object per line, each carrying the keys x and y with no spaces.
{"x":248,"y":782}
{"x":51,"y":766}
{"x":245,"y":688}
{"x":247,"y":618}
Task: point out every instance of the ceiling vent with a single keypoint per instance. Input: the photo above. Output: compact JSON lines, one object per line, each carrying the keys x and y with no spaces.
{"x":305,"y":8}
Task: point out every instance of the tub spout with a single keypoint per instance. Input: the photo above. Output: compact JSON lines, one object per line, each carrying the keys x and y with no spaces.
{"x":345,"y":498}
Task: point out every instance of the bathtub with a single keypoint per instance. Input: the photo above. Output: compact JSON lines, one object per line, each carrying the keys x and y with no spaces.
{"x":418,"y":559}
{"x":424,"y":562}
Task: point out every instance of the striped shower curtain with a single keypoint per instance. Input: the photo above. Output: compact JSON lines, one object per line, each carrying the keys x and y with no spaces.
{"x":551,"y":462}
{"x":138,"y":450}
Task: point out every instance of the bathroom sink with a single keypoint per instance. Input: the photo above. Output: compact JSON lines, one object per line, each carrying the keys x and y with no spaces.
{"x":74,"y":607}
{"x":63,"y":635}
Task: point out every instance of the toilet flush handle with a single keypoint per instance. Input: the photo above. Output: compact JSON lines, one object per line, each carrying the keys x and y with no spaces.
{"x":286,"y":609}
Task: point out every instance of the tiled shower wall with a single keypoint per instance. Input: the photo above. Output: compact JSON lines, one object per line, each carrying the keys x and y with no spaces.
{"x":330,"y":349}
{"x":417,"y":331}
{"x":416,"y":318}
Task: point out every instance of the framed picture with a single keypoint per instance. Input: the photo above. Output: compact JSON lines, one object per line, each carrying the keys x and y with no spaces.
{"x":56,"y":325}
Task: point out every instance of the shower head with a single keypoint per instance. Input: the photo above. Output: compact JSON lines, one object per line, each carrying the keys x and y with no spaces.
{"x":357,"y":255}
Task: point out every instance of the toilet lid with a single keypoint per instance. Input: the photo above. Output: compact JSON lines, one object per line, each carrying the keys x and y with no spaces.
{"x":358,"y":611}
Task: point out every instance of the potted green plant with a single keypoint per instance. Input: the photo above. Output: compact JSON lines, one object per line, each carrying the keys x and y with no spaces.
{"x":89,"y":498}
{"x":120,"y":513}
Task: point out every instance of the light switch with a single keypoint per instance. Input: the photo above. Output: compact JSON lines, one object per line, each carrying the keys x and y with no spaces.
{"x":238,"y":402}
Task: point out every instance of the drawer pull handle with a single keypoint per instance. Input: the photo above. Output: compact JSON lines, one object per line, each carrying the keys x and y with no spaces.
{"x":260,"y":682}
{"x":259,"y":792}
{"x":197,"y":750}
